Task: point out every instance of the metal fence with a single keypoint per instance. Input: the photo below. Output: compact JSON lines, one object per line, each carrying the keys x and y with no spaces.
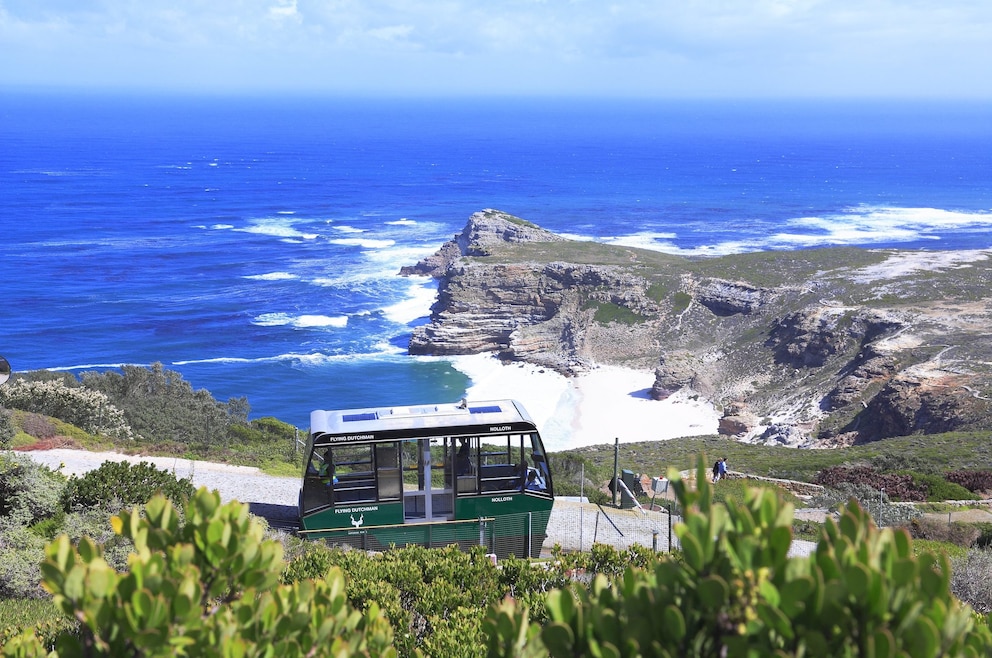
{"x":576,"y":526}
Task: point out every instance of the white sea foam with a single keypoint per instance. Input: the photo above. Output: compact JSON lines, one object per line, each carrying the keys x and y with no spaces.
{"x":88,"y":366}
{"x":300,"y":321}
{"x":272,"y":276}
{"x":402,"y":222}
{"x":222,"y":227}
{"x":279,"y":227}
{"x":417,"y":305}
{"x":643,"y":240}
{"x":320,"y":321}
{"x":860,"y":225}
{"x":348,"y":229}
{"x":364,"y":244}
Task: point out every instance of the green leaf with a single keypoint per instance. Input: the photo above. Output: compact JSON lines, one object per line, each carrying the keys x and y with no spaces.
{"x":858,"y":580}
{"x":923,"y":639}
{"x":559,"y":639}
{"x":713,"y":592}
{"x":692,"y":551}
{"x":674,"y":623}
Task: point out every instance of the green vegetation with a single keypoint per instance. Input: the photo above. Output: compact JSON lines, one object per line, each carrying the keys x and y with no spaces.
{"x":735,"y":592}
{"x":933,"y":453}
{"x":607,"y":312}
{"x":207,"y":576}
{"x":121,"y":483}
{"x":681,"y":302}
{"x":146,"y":410}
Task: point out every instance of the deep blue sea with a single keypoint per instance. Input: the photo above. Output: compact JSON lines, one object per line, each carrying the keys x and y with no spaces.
{"x":253,"y":244}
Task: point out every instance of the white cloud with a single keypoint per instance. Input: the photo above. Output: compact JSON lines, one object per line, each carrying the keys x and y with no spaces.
{"x":653,"y":47}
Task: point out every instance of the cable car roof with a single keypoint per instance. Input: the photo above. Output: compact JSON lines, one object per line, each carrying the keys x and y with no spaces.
{"x":374,"y":421}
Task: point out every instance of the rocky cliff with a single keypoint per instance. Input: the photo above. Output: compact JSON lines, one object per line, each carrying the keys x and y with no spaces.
{"x":814,"y":348}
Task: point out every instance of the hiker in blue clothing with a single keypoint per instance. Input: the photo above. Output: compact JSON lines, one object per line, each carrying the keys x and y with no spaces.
{"x":719,"y":469}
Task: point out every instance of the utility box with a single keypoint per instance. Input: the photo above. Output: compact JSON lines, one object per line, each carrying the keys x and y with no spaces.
{"x":626,"y":499}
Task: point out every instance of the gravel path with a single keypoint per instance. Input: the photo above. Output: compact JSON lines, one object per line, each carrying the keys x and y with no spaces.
{"x":244,"y":483}
{"x":276,"y":499}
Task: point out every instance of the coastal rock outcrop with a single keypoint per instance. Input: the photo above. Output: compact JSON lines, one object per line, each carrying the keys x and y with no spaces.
{"x":813,"y":348}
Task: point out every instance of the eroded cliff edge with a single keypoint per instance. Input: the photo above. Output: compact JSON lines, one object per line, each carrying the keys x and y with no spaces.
{"x":815,"y":348}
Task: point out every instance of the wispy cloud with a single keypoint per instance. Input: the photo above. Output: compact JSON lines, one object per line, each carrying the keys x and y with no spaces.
{"x":652,"y":47}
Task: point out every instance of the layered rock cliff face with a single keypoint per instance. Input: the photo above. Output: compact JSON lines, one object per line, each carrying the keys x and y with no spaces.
{"x":815,"y":348}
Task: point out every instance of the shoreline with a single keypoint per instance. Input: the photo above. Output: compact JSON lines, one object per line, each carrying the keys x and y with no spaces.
{"x":603,"y":405}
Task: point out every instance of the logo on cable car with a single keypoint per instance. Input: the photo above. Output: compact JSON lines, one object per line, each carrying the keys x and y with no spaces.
{"x":359,"y":522}
{"x":501,"y":428}
{"x":502,"y":499}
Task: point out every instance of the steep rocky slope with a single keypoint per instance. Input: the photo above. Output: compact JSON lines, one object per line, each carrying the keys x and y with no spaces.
{"x":815,"y":348}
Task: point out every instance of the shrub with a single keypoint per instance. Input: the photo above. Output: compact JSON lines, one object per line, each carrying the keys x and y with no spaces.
{"x":36,"y":616}
{"x":7,"y":429}
{"x":971,"y":580}
{"x":897,"y":486}
{"x":29,"y":492}
{"x":939,"y":489}
{"x":163,"y":407}
{"x":21,"y":551}
{"x":38,"y":426}
{"x":85,"y":408}
{"x":959,"y":534}
{"x":976,"y":481}
{"x":121,"y":483}
{"x":209,"y":586}
{"x":736,"y":592}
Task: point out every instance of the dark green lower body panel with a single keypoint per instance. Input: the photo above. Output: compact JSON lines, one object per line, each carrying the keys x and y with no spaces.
{"x":520,"y":534}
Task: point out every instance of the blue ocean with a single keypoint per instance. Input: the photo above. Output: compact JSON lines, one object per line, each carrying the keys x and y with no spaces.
{"x":254,"y":244}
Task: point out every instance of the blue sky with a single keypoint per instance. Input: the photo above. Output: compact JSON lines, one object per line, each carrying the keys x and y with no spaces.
{"x":650,"y":48}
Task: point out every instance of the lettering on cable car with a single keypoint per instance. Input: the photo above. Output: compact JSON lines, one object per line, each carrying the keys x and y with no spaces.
{"x":502,"y":499}
{"x":358,"y":437}
{"x":355,"y":510}
{"x":501,"y":428}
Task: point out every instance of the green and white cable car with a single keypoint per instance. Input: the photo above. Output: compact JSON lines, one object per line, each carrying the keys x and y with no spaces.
{"x":474,"y":473}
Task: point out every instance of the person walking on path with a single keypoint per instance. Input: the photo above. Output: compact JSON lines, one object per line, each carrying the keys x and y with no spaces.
{"x":719,"y":469}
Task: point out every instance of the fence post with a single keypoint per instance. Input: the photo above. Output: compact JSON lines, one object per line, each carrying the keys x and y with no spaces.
{"x":582,"y":508}
{"x":616,"y":469}
{"x":669,"y":507}
{"x":530,"y":532}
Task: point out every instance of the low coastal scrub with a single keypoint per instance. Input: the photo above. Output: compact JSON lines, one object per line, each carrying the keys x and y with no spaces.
{"x":209,"y":577}
{"x":144,"y":410}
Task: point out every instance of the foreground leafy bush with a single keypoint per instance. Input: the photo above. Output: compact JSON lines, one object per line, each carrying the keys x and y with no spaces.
{"x":737,"y":593}
{"x":122,"y":483}
{"x":208,"y":587}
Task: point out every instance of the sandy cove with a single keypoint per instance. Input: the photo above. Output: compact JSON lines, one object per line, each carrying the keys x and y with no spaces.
{"x":596,"y":407}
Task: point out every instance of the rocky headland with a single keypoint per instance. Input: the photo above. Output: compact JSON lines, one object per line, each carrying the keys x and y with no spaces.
{"x":814,"y":348}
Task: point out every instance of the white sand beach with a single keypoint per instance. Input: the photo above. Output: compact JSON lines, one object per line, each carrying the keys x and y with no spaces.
{"x":600,"y":406}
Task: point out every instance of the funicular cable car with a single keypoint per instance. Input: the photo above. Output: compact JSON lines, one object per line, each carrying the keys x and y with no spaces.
{"x":468,"y":474}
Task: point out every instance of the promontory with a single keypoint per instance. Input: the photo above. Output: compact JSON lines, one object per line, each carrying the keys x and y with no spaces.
{"x":815,"y":348}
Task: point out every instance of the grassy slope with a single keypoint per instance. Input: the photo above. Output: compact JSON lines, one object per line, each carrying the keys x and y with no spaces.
{"x":938,"y":452}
